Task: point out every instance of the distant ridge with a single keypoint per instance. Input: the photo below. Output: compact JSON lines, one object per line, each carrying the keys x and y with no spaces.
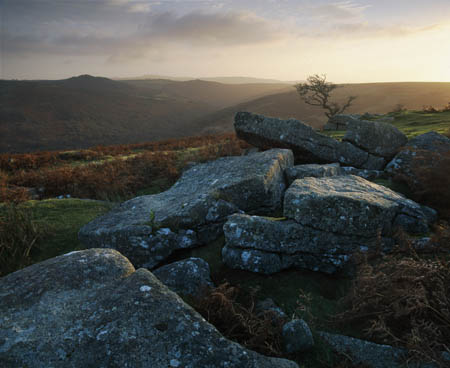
{"x":85,"y":110}
{"x":224,"y":80}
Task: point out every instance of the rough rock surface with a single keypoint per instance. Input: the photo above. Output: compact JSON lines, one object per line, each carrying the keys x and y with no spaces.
{"x":425,"y":150}
{"x":364,"y":173}
{"x":371,"y":354}
{"x":351,"y":205}
{"x":297,"y":336}
{"x":313,"y":170}
{"x":308,"y":145}
{"x":92,"y":309}
{"x":148,"y":229}
{"x":328,"y":219}
{"x":187,"y":277}
{"x":267,"y":246}
{"x":361,"y":351}
{"x":377,"y":138}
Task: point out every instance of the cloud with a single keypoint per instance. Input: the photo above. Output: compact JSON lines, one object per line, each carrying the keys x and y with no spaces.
{"x":337,"y":11}
{"x":209,"y":29}
{"x":157,"y":31}
{"x":361,"y":30}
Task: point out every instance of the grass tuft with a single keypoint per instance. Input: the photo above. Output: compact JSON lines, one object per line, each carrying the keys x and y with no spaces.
{"x":19,"y":237}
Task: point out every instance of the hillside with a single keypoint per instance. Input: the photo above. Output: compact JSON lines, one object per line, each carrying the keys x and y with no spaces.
{"x":372,"y":97}
{"x":83,"y":111}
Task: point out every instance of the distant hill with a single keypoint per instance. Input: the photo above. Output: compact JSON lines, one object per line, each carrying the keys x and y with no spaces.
{"x":244,"y":80}
{"x":83,"y":111}
{"x":371,"y":97}
{"x":225,"y":80}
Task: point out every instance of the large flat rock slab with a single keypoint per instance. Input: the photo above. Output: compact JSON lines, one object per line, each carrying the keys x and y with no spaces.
{"x":92,"y":309}
{"x":148,"y":229}
{"x":308,"y":145}
{"x":351,"y":205}
{"x":265,"y":245}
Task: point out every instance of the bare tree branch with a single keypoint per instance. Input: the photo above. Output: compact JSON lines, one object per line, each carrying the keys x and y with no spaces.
{"x":316,"y":92}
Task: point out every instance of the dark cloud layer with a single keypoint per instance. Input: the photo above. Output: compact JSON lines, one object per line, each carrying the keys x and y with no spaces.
{"x":64,"y":37}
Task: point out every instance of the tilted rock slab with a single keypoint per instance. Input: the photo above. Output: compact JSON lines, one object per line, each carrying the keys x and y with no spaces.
{"x":328,"y":219}
{"x":148,"y":229}
{"x":308,"y":145}
{"x":377,"y":138}
{"x":92,"y":309}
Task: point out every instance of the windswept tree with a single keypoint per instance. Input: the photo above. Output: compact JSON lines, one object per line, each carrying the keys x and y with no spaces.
{"x":317,"y":91}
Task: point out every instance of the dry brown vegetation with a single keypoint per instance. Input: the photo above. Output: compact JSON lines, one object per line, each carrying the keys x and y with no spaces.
{"x":403,"y":299}
{"x":107,"y":172}
{"x":234,"y":315}
{"x":430,"y":109}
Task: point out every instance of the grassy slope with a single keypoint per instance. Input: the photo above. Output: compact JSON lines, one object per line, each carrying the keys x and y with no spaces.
{"x":412,"y":123}
{"x":64,"y":217}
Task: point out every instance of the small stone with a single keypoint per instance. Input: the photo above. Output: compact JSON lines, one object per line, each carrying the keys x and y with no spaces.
{"x":297,"y":336}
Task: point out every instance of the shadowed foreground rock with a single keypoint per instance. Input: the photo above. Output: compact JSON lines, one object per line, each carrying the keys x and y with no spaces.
{"x":327,"y":220}
{"x":308,"y":145}
{"x":194,"y":210}
{"x":423,"y":151}
{"x":92,"y":309}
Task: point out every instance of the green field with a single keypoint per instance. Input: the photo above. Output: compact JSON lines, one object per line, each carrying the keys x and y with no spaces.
{"x":412,"y":123}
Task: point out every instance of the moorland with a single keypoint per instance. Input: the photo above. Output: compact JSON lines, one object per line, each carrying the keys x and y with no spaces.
{"x":74,"y":149}
{"x":85,"y":111}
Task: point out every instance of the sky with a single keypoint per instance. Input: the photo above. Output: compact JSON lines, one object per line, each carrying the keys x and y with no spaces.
{"x":349,"y":41}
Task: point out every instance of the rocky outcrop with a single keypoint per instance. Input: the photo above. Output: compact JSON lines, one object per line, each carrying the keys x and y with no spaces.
{"x":189,"y":276}
{"x":326,"y":221}
{"x":426,"y":150}
{"x":148,"y":229}
{"x":376,"y":138}
{"x":308,"y":145}
{"x":311,"y":170}
{"x":92,"y":309}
